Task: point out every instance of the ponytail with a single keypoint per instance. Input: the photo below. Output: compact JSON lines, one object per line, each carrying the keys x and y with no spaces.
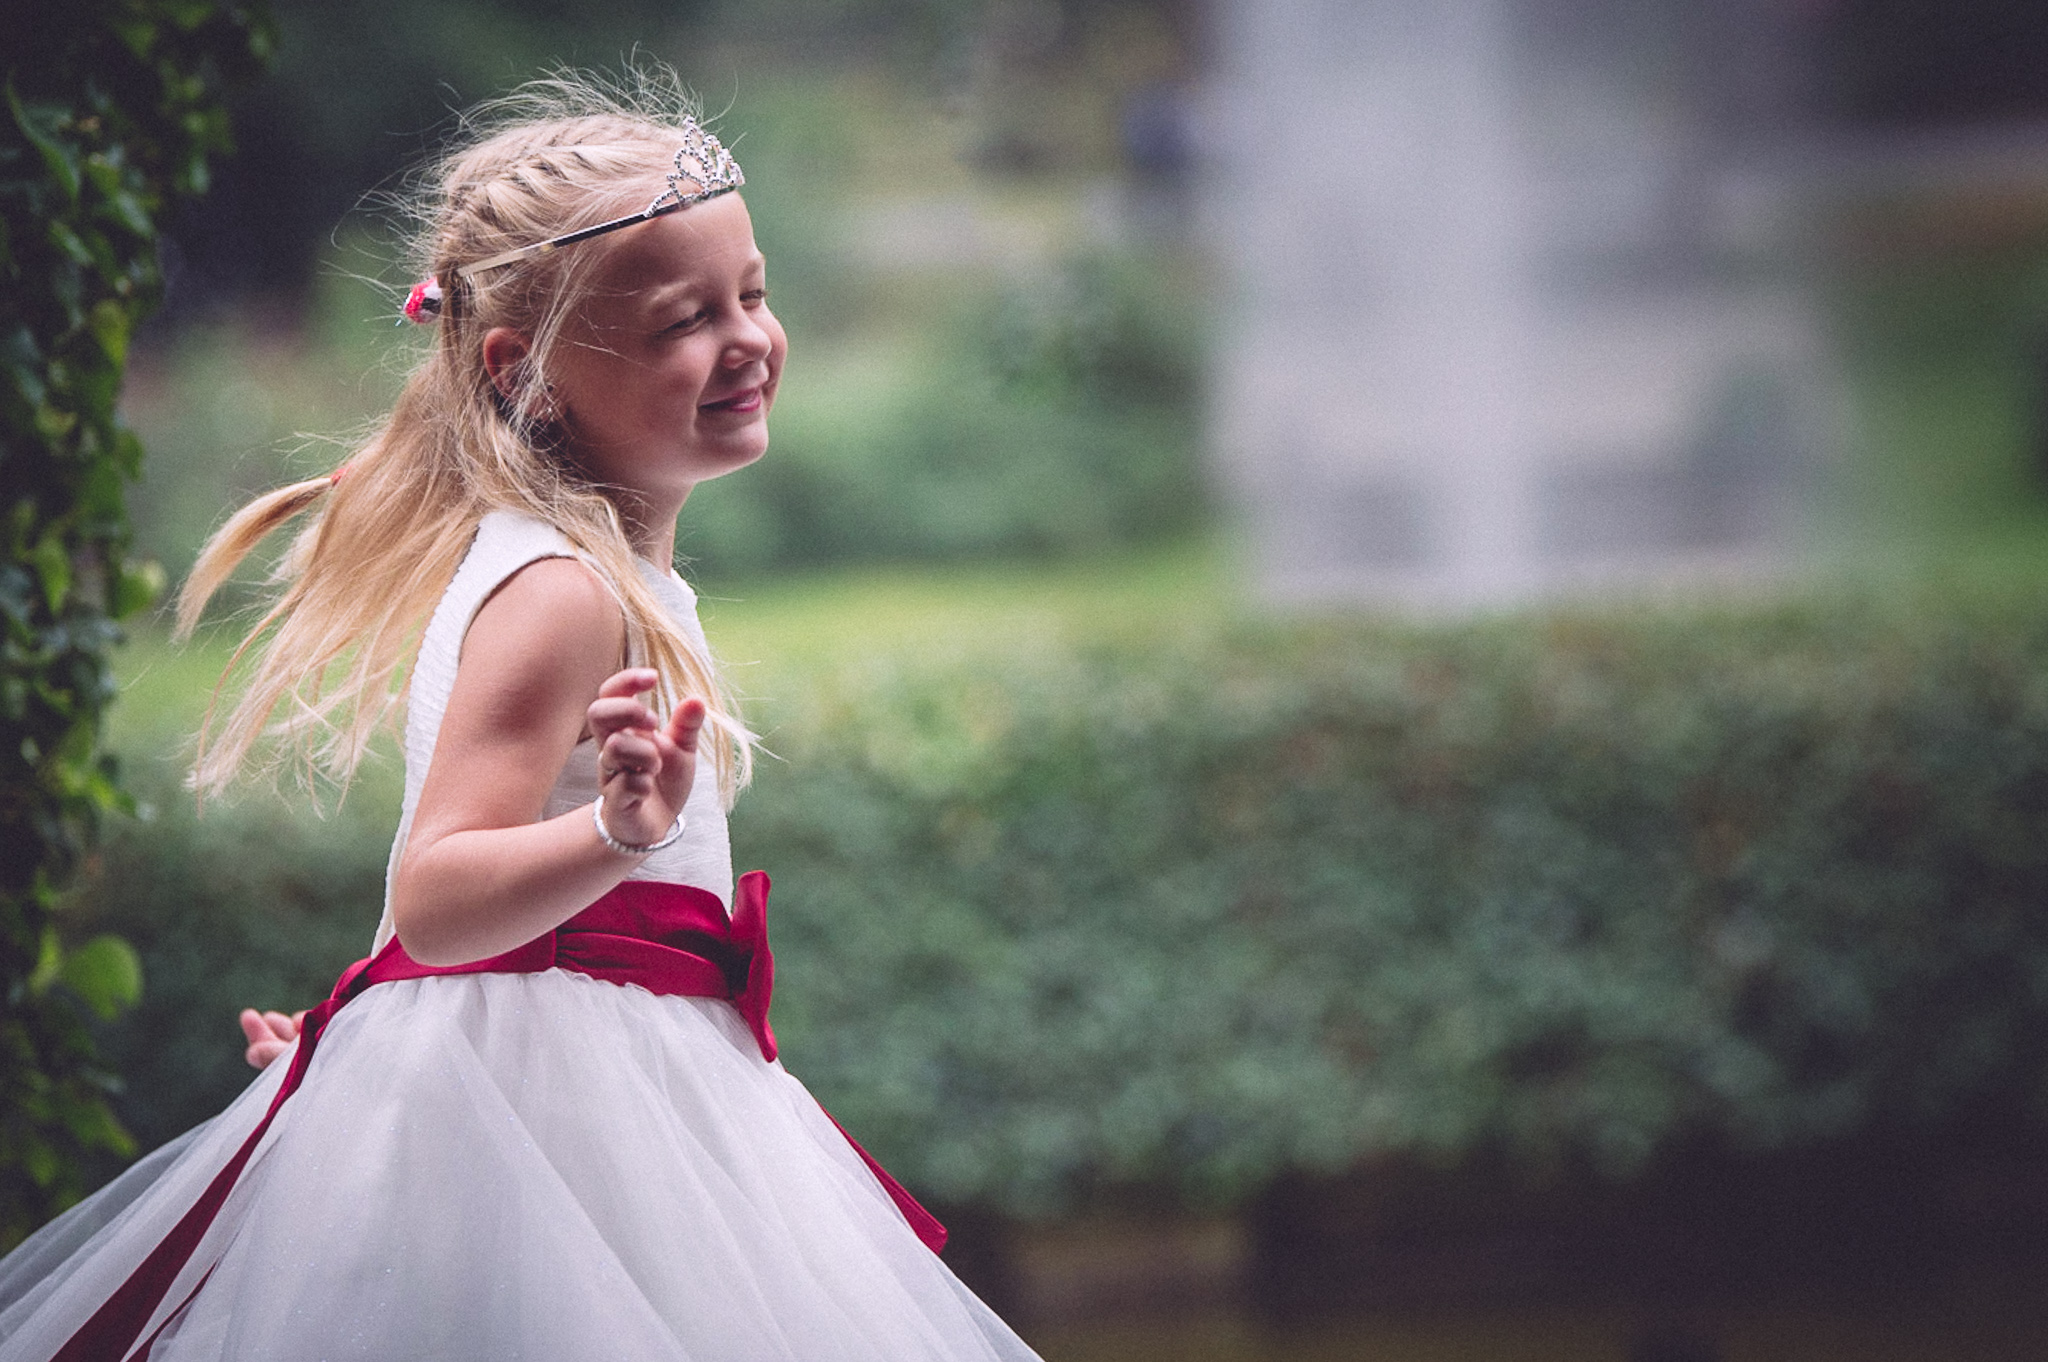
{"x":232,"y":542}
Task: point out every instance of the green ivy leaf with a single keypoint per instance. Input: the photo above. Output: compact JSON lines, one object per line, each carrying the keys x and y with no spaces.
{"x":61,"y":160}
{"x":189,"y":14}
{"x":53,"y":567}
{"x":40,"y":1162}
{"x":137,"y":35}
{"x":109,"y":323}
{"x":23,"y":360}
{"x":54,"y":423}
{"x":139,"y":112}
{"x":49,"y":962}
{"x":105,"y":973}
{"x":70,"y":243}
{"x":94,"y":1126}
{"x":136,"y":587}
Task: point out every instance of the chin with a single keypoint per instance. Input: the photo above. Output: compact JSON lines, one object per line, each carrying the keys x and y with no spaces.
{"x":733,"y":462}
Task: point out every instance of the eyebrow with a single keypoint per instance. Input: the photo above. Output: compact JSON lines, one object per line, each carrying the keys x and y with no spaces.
{"x":661,"y":295}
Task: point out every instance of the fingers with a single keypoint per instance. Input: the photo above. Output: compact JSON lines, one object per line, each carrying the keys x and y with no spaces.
{"x":676,"y":741}
{"x":617,"y":715}
{"x":642,"y":762}
{"x":269,"y":1025}
{"x":630,"y":739}
{"x":629,"y":767}
{"x":685,"y":724}
{"x":269,"y":1035}
{"x":630,"y":682}
{"x":618,"y":706}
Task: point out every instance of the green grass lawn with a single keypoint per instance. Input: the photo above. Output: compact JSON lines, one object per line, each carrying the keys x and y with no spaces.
{"x":971,"y":608}
{"x":771,"y":632}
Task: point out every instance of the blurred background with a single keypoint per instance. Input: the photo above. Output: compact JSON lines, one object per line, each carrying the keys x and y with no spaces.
{"x":1405,"y":641}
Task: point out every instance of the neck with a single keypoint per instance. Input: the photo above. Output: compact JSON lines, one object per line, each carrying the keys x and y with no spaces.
{"x":651,"y":530}
{"x":659,"y":550}
{"x":656,"y":545}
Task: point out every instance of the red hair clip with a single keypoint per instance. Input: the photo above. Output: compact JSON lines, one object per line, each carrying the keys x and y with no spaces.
{"x":423,"y":304}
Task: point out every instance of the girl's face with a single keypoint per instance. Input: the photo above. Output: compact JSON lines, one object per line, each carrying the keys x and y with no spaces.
{"x":665,"y":376}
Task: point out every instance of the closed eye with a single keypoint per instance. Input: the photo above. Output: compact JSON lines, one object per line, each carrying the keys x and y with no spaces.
{"x":691,"y":322}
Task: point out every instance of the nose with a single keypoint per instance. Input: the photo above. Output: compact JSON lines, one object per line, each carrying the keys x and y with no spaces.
{"x":749,"y":344}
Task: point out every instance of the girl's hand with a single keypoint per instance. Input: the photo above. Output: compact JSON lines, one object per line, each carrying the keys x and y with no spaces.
{"x":270,"y":1034}
{"x":644,"y":769}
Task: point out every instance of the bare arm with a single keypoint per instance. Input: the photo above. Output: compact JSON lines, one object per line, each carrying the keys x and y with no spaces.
{"x":539,"y":670}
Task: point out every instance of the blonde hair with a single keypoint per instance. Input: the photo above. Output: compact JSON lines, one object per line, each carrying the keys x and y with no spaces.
{"x":364,"y":574}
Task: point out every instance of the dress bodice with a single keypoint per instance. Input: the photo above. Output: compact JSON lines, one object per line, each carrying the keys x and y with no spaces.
{"x":506,"y":542}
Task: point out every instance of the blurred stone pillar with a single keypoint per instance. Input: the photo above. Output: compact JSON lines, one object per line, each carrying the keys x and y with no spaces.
{"x":1509,"y":306}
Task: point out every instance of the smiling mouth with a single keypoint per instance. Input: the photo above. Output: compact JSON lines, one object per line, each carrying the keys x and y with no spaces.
{"x":749,"y":400}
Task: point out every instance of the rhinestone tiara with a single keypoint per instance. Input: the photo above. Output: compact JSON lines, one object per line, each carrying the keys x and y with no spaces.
{"x":702,"y":161}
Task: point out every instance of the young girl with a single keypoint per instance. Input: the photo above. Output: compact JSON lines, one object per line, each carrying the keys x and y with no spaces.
{"x":544,"y":1120}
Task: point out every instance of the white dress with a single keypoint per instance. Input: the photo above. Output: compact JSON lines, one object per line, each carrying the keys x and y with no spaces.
{"x":518,"y":1166}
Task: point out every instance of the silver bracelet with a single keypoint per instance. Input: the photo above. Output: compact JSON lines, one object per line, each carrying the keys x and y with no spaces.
{"x":628,"y":848}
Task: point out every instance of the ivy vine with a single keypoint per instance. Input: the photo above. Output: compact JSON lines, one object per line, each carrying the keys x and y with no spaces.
{"x":113,"y":110}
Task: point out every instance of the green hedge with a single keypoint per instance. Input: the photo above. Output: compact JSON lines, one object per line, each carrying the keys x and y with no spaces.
{"x":1191,"y":913}
{"x":255,"y":904}
{"x":113,"y":111}
{"x":1297,"y":897}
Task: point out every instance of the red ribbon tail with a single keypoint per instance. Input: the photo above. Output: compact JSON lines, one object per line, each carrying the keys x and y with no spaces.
{"x":119,"y":1321}
{"x":923,"y":1223}
{"x":750,"y":933}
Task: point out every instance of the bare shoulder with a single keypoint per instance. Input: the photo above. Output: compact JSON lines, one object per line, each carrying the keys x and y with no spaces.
{"x":563,"y":593}
{"x":551,"y":627}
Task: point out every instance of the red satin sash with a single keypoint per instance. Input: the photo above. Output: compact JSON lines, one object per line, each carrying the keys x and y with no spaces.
{"x":668,"y":938}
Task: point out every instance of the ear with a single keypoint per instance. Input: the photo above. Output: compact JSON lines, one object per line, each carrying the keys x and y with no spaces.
{"x":505,"y":355}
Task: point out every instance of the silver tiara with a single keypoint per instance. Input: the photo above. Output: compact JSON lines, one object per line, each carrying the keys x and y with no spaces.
{"x":702,"y":161}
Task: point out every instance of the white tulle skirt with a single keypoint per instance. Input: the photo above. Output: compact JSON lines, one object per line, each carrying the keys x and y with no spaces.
{"x":518,"y":1166}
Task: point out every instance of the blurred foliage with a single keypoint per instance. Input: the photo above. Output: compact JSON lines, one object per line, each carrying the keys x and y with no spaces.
{"x":1565,"y":886}
{"x":364,"y":90}
{"x":1049,"y":413}
{"x":113,"y":110}
{"x":1948,"y":353}
{"x":236,"y":407}
{"x":252,"y":905}
{"x":1192,"y":911}
{"x":980,"y":365}
{"x":1053,"y":416}
{"x":360,"y":93}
